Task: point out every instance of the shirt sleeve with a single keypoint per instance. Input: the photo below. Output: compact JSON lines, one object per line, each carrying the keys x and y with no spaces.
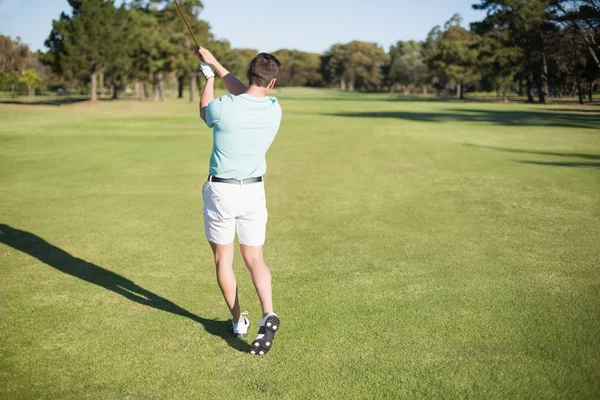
{"x":214,"y":111}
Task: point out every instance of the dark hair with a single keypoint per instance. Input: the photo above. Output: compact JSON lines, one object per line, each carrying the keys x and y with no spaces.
{"x":263,"y":68}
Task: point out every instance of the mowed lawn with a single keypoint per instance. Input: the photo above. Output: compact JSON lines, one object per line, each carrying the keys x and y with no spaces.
{"x":419,"y":249}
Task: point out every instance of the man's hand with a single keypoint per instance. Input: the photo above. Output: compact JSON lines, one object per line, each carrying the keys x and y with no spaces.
{"x":206,"y":70}
{"x":233,"y":84}
{"x":207,"y":57}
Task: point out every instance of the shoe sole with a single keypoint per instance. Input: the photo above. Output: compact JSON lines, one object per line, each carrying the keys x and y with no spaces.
{"x":261,"y":346}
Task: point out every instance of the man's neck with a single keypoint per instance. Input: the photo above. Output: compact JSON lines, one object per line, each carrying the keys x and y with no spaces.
{"x":257,"y":91}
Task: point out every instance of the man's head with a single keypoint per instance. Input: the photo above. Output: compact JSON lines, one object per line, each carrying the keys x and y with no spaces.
{"x":263,"y":71}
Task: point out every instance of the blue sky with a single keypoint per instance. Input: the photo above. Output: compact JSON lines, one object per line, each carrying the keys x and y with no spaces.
{"x":266,"y":25}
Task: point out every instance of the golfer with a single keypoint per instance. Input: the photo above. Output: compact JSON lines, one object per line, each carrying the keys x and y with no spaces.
{"x":244,"y":124}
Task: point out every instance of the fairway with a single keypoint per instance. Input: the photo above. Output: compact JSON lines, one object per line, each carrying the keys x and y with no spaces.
{"x":419,"y":249}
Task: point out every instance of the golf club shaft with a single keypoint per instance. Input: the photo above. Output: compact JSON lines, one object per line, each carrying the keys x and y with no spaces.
{"x":186,"y":23}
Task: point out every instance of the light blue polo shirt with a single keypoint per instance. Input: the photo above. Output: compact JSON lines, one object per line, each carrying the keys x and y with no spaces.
{"x":244,"y":128}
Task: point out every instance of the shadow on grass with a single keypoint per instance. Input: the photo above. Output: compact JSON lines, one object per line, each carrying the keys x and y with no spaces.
{"x":564,"y":164}
{"x":577,"y":109}
{"x":578,"y":164}
{"x":53,"y":101}
{"x":536,"y":152}
{"x":507,"y":118}
{"x":55,"y":257}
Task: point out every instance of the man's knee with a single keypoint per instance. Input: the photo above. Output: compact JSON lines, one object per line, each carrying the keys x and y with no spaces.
{"x":252,"y":255}
{"x":223,"y":254}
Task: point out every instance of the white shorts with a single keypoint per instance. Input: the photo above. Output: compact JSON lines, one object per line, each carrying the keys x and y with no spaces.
{"x":229,"y":208}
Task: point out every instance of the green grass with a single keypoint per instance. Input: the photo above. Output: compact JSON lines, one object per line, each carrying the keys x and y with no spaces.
{"x":419,"y":249}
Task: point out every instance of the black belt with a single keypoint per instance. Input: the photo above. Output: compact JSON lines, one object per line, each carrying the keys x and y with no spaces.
{"x":235,"y":181}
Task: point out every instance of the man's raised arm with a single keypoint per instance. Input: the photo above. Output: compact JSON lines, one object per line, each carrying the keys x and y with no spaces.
{"x":233,"y":84}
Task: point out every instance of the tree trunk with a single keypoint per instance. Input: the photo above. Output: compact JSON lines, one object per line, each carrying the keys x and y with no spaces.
{"x":161,"y":86}
{"x":156,"y":88}
{"x":351,"y":85}
{"x":543,"y":84}
{"x":193,"y":84}
{"x":94,"y":94}
{"x":459,"y":91}
{"x":180,"y":84}
{"x":142,"y":89}
{"x":342,"y":84}
{"x":113,"y":90}
{"x":530,"y":98}
{"x":101,"y":83}
{"x":136,"y":88}
{"x":579,"y":90}
{"x":406,"y":90}
{"x":591,"y":91}
{"x":31,"y":93}
{"x":424,"y":89}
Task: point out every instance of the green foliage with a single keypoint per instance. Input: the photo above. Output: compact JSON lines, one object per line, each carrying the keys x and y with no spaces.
{"x":407,"y":66}
{"x":530,"y":25}
{"x":235,"y":60}
{"x":184,"y":58}
{"x":452,"y":55}
{"x":499,"y":59}
{"x":31,"y":79}
{"x":120,"y":67}
{"x":88,"y":41}
{"x":519,"y":43}
{"x":298,"y":68}
{"x":9,"y":81}
{"x":583,"y":17}
{"x":83,"y":43}
{"x":355,"y":65}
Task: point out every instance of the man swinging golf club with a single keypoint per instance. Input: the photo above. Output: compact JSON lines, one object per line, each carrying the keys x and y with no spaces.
{"x":244,"y":124}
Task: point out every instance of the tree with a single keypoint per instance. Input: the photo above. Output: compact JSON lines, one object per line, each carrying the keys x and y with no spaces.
{"x":184,"y":61}
{"x":431,"y":54}
{"x":499,"y":58}
{"x":119,"y":68}
{"x":15,"y":58}
{"x":298,"y":68}
{"x":32,"y":80}
{"x":236,"y":61}
{"x":14,"y":55}
{"x":153,"y":53}
{"x":453,"y":56}
{"x":354,"y":65}
{"x":583,"y":16}
{"x":530,"y":26}
{"x":82,"y":44}
{"x":407,"y":67}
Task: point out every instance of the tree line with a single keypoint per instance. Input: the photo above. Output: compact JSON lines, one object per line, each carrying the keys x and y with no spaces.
{"x":536,"y":48}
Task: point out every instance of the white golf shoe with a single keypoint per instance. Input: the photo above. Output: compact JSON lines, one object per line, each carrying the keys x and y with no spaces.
{"x":240,"y":328}
{"x":264,"y":340}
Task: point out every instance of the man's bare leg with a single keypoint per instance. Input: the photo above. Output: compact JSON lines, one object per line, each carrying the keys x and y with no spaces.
{"x":261,"y":276}
{"x":226,"y":278}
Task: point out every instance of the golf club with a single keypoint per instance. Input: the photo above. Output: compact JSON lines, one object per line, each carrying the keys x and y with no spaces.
{"x":186,"y":23}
